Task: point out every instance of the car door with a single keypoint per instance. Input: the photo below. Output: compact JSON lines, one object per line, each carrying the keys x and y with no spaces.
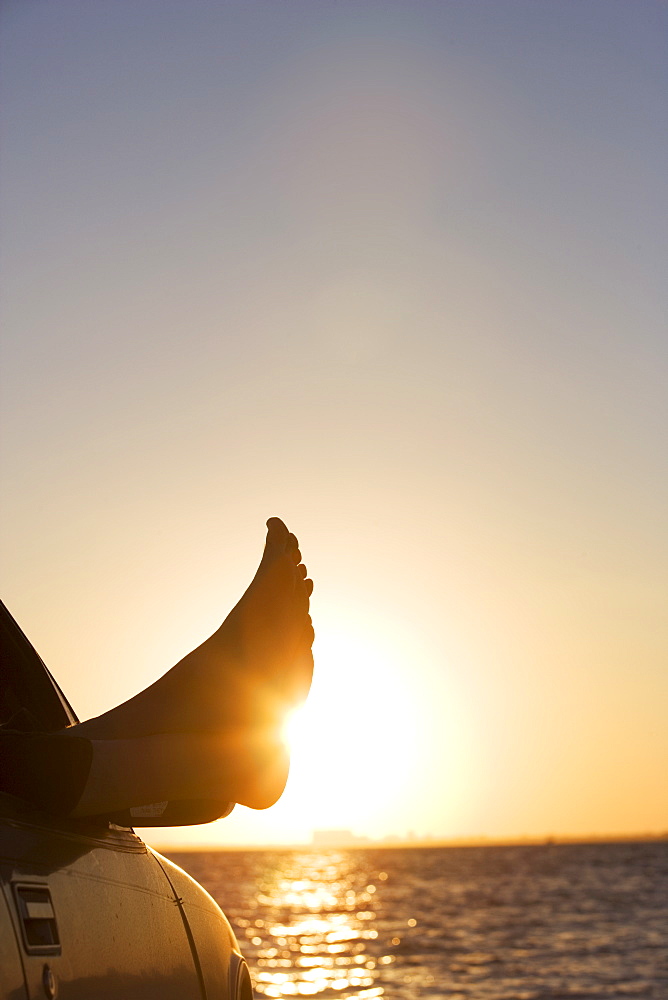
{"x":12,"y":985}
{"x":224,"y":972}
{"x":93,"y":913}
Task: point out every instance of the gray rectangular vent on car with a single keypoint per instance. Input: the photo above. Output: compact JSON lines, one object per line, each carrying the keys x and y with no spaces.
{"x":38,"y":919}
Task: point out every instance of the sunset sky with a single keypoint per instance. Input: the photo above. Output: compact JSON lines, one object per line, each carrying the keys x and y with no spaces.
{"x":394,"y":272}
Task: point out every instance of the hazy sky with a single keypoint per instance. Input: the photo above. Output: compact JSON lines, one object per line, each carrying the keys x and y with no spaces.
{"x":396,"y":273}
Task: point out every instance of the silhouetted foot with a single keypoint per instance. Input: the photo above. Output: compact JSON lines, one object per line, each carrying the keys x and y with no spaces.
{"x":269,"y":633}
{"x":255,"y":667}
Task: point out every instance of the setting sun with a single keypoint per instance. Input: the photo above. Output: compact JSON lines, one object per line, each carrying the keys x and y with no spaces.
{"x":354,"y":743}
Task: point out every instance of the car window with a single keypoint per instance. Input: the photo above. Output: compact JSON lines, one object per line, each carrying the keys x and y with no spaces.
{"x":30,"y":699}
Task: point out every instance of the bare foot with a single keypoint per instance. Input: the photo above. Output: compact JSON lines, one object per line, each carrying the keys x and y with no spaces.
{"x":269,"y":633}
{"x":247,"y":674}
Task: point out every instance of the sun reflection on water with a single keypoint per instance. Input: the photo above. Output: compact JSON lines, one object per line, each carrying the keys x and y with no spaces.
{"x":492,"y":922}
{"x":315,"y":935}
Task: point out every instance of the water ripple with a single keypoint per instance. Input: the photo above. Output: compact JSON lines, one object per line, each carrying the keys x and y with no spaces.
{"x":552,"y":922}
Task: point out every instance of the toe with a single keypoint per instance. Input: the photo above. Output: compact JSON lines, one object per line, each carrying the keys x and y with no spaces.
{"x":304,"y":585}
{"x":293,"y":546}
{"x":277,"y":535}
{"x":277,"y":527}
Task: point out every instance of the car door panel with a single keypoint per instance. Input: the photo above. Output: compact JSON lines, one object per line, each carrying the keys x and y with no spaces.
{"x":12,"y":985}
{"x":117,"y":932}
{"x":217,"y":949}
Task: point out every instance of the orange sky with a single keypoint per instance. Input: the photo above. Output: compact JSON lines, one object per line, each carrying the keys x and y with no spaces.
{"x":392,"y":272}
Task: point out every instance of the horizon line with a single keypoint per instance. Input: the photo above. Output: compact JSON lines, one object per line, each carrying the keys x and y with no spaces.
{"x":428,"y":842}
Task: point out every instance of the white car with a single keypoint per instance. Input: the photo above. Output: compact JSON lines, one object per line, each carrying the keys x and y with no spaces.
{"x":87,"y":910}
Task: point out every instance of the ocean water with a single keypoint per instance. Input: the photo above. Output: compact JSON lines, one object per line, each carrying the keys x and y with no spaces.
{"x":495,"y":923}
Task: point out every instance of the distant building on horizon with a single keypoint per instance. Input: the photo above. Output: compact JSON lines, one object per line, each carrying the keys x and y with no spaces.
{"x":337,"y":838}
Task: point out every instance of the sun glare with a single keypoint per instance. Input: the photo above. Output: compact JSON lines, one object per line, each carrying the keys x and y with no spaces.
{"x":353,"y":745}
{"x":295,"y":728}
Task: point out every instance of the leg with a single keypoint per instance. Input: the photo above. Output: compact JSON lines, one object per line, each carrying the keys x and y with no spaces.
{"x":249,"y":672}
{"x":182,"y":767}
